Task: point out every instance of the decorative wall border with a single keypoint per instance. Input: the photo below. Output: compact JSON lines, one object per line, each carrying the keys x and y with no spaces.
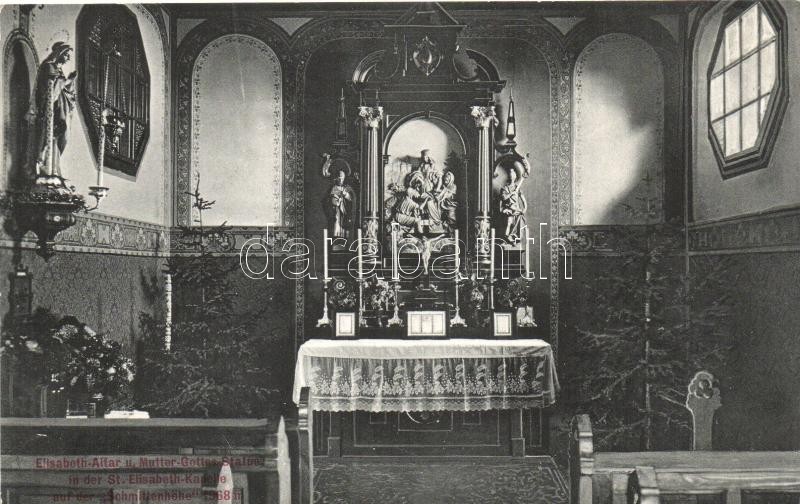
{"x":775,"y":230}
{"x":305,"y":41}
{"x":103,"y":234}
{"x":232,"y":241}
{"x":544,"y":38}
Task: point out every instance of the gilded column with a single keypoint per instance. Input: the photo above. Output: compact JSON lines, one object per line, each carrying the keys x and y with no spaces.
{"x":485,"y":120}
{"x":371,"y":118}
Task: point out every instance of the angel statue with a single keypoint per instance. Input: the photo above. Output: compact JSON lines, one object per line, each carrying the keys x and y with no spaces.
{"x":54,"y":101}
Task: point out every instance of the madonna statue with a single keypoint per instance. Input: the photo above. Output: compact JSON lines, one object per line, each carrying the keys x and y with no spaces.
{"x":54,"y":103}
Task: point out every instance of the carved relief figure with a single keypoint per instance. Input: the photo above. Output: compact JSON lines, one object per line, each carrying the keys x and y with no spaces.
{"x":426,"y":202}
{"x":338,"y":205}
{"x":513,"y":206}
{"x":54,"y":103}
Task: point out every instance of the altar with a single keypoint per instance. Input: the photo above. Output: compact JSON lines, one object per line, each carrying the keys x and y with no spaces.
{"x":425,"y":397}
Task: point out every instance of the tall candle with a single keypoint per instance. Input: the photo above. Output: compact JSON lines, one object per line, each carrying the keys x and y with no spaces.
{"x":360,"y":258}
{"x":491,"y":254}
{"x":527,"y":253}
{"x":458,"y":256}
{"x":325,"y":254}
{"x":395,"y":255}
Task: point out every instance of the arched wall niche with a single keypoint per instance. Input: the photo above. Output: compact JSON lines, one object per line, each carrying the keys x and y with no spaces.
{"x":20,"y":64}
{"x":189,"y":51}
{"x":657,"y":38}
{"x":618,"y":132}
{"x":237,"y":130}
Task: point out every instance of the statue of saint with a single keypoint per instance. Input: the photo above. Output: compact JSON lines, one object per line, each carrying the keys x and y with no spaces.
{"x":447,"y":200}
{"x":338,"y":206}
{"x":54,"y":103}
{"x":513,"y":206}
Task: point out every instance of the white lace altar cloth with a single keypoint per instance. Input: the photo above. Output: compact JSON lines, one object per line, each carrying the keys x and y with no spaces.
{"x":425,"y":375}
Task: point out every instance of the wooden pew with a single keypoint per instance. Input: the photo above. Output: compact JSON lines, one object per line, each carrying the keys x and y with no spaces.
{"x":94,"y":460}
{"x":605,"y":477}
{"x":725,"y":481}
{"x":301,"y":449}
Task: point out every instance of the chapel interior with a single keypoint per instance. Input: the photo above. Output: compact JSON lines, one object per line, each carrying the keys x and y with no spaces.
{"x":508,"y":252}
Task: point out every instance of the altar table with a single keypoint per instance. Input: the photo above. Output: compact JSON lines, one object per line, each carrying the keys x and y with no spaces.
{"x":382,"y":375}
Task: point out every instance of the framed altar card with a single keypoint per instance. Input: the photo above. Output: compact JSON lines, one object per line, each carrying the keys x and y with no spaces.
{"x":346,"y":325}
{"x":503,"y":324}
{"x":427,"y":324}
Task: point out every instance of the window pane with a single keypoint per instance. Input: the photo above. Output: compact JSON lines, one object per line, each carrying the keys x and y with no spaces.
{"x":716,"y":98}
{"x":732,"y":134}
{"x":732,"y":89}
{"x":719,"y":131}
{"x":767,"y":30}
{"x":763,"y":108}
{"x":750,"y":79}
{"x":750,"y":29}
{"x":732,"y":42}
{"x":768,"y":65}
{"x":749,"y":126}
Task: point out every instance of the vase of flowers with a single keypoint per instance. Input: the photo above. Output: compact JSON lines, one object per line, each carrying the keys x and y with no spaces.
{"x":69,"y":360}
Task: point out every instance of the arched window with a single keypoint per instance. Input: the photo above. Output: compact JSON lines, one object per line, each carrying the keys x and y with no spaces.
{"x":109,"y":39}
{"x":747,"y":88}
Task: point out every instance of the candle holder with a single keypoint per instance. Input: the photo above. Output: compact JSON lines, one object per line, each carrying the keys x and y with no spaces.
{"x":457,"y":320}
{"x":396,"y":320}
{"x":325,"y":321}
{"x":98,"y":193}
{"x":362,"y":322}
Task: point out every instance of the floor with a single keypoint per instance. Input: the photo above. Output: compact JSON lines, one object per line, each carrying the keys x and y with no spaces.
{"x":485,"y":480}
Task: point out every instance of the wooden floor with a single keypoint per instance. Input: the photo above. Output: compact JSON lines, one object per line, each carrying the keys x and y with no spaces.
{"x":463,"y":480}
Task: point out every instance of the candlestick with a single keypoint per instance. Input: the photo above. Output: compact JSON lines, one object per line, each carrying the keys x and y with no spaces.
{"x":325,"y":254}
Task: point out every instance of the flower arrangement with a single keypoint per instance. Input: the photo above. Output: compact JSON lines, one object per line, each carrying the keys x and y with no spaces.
{"x":511,"y":294}
{"x":378,"y":295}
{"x":342,"y":296}
{"x":68,"y":357}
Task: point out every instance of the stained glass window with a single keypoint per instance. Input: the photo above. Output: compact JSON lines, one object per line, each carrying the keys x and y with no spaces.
{"x":109,"y":42}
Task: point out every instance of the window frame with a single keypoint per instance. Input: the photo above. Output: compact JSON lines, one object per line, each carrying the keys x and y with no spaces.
{"x":140,"y":84}
{"x":756,"y":157}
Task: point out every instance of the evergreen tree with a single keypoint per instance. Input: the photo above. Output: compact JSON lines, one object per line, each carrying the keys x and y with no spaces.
{"x":647,"y":328}
{"x":216,"y":364}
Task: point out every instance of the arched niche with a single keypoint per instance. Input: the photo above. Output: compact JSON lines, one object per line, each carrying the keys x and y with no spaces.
{"x":20,"y":65}
{"x":237,"y":131}
{"x":618,"y":156}
{"x":445,"y":143}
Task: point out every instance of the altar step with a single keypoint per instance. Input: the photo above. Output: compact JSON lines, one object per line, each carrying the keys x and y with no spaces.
{"x":438,"y":480}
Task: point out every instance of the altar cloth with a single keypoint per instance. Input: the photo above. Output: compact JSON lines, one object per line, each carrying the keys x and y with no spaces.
{"x":425,"y":375}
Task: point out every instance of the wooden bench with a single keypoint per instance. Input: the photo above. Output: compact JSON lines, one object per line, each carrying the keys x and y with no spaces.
{"x":757,"y":477}
{"x":96,"y":461}
{"x":621,"y":478}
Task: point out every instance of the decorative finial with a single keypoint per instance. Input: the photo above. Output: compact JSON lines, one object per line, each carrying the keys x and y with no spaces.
{"x":511,"y":122}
